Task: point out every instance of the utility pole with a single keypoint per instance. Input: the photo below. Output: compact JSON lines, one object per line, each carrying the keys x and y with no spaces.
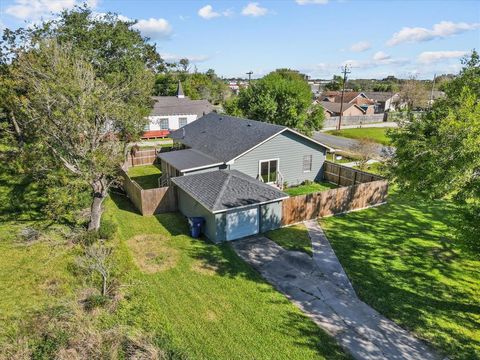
{"x":431,"y":92}
{"x":345,"y":71}
{"x":249,"y":76}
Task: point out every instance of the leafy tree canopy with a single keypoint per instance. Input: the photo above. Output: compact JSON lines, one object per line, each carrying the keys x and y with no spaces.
{"x":438,"y":154}
{"x":77,"y":91}
{"x":282,"y":97}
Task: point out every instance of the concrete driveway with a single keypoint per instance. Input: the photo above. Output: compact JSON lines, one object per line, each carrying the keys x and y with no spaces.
{"x":324,"y":293}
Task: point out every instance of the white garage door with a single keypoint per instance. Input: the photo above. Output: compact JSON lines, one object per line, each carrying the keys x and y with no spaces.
{"x":241,"y":223}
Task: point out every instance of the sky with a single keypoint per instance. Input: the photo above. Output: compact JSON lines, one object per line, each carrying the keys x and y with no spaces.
{"x":317,"y":37}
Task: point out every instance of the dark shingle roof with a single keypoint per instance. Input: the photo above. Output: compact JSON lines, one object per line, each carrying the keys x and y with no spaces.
{"x":172,"y":105}
{"x":225,"y":137}
{"x":227,"y":189}
{"x":187,"y":159}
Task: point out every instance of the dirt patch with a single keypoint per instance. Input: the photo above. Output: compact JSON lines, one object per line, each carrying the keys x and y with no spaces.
{"x":204,"y":268}
{"x":153,"y":253}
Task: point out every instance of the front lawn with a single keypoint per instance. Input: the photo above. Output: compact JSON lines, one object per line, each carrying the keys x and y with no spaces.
{"x":203,"y":297}
{"x":292,"y":238}
{"x":401,"y":262}
{"x":145,"y":175}
{"x":309,"y":188}
{"x":378,"y":135}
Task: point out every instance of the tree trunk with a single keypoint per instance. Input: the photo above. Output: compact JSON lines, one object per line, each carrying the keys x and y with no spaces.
{"x":99,"y":194}
{"x":104,"y":285}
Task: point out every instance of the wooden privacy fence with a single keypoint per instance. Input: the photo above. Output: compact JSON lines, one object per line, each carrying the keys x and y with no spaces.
{"x":355,"y":120}
{"x":150,"y":201}
{"x":346,"y":176}
{"x":364,"y":190}
{"x":141,"y":157}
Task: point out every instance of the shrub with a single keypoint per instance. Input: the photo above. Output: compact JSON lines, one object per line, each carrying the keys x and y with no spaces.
{"x":94,"y":301}
{"x":88,"y":238}
{"x":108,"y":229}
{"x":308,"y":182}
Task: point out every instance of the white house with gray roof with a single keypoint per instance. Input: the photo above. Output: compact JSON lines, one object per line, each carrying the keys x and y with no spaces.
{"x":231,"y":172}
{"x":173,"y":112}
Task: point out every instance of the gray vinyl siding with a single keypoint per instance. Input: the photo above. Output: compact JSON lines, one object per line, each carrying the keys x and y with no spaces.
{"x":289,"y":148}
{"x":270,"y":216}
{"x":190,"y":207}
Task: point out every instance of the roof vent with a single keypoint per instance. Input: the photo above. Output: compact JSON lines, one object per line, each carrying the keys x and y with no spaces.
{"x":249,"y":124}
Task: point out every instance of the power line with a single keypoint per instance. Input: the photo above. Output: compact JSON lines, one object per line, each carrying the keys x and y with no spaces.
{"x":249,"y":75}
{"x":345,"y":71}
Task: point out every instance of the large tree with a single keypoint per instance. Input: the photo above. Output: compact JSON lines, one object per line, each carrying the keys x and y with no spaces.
{"x":282,"y":97}
{"x":438,"y":154}
{"x":82,"y":87}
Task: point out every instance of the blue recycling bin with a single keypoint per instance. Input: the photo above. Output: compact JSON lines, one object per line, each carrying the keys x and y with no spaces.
{"x":196,"y":224}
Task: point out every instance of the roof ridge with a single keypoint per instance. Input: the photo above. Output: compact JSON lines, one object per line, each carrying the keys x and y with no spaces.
{"x":222,"y":190}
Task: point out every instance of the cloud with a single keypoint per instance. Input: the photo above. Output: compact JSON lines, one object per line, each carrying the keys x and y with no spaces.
{"x":154,"y":28}
{"x":441,"y":30}
{"x":307,"y":2}
{"x":381,"y":56}
{"x":378,"y":59}
{"x":360,"y":46}
{"x":36,"y":9}
{"x":207,"y":12}
{"x":194,"y":59}
{"x":430,"y":57}
{"x":254,"y":9}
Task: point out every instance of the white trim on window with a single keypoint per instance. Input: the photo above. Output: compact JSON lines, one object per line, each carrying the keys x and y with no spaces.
{"x":268,"y":160}
{"x":162,"y":126}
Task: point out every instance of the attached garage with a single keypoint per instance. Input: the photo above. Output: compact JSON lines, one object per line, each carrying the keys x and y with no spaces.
{"x":234,"y":205}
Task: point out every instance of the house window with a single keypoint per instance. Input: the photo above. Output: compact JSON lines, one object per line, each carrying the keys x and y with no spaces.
{"x":163,"y":124}
{"x":182,"y":122}
{"x":147,"y":127}
{"x":268,"y":170}
{"x":307,"y":163}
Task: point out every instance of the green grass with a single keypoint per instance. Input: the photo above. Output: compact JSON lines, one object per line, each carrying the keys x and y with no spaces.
{"x":375,"y":168}
{"x":401,"y":263}
{"x":344,"y":159}
{"x":206,"y":300}
{"x":292,"y":238}
{"x":309,"y":188}
{"x":145,"y":175}
{"x":33,"y":277}
{"x":378,"y":135}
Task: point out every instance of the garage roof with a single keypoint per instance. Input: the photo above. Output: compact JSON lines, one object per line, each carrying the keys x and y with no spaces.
{"x":222,"y":190}
{"x":189,"y":159}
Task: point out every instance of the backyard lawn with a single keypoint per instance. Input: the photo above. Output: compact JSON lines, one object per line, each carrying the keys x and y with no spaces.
{"x":201,"y":296}
{"x":294,"y":238}
{"x":378,"y":135}
{"x":309,"y":188}
{"x":401,"y":262}
{"x":145,"y":175}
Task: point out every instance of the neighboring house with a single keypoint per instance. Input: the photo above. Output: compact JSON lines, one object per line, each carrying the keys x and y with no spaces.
{"x":350,"y":97}
{"x":384,"y":101}
{"x":231,"y":170}
{"x":173,"y":112}
{"x":348,"y":109}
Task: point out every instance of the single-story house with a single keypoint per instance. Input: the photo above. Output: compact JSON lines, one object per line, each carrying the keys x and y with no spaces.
{"x":348,"y":109}
{"x":173,"y":112}
{"x":350,"y":97}
{"x":384,"y":101}
{"x":231,"y":172}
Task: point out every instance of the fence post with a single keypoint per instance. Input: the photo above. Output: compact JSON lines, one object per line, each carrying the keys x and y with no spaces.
{"x":354,"y":177}
{"x":339,"y":175}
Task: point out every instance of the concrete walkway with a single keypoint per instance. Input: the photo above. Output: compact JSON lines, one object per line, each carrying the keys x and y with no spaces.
{"x":321,"y":289}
